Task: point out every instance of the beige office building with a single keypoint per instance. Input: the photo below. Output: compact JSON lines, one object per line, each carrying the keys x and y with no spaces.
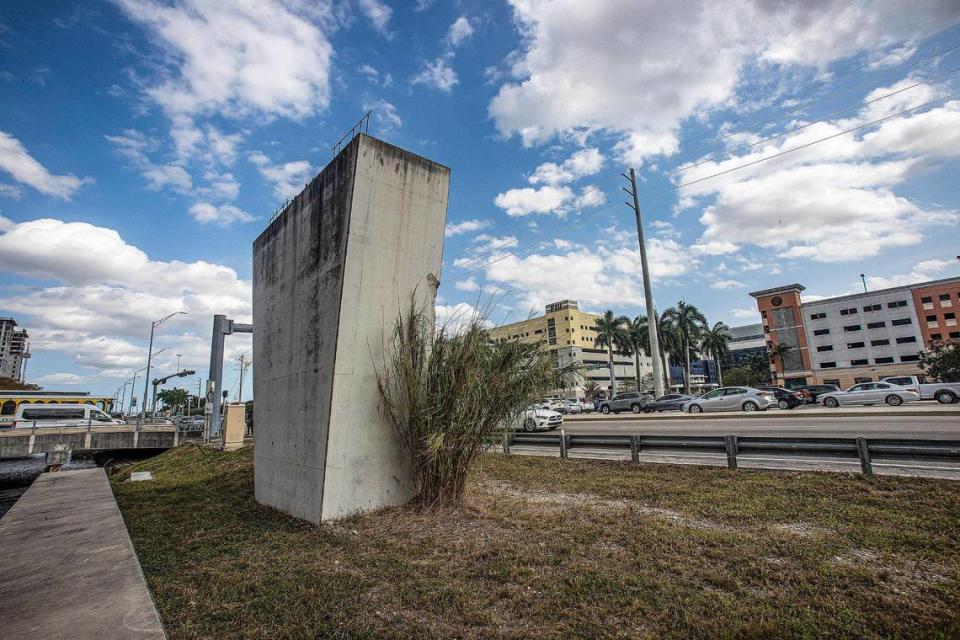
{"x":570,"y":336}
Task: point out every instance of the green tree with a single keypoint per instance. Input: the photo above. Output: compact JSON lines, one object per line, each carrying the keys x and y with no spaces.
{"x":941,"y":362}
{"x":612,"y":333}
{"x":760,"y":366}
{"x":690,"y":325}
{"x":638,"y":333}
{"x":716,"y":342}
{"x":592,"y":390}
{"x":779,"y":353}
{"x":671,"y":345}
{"x":743,"y":377}
{"x":173,"y":398}
{"x":9,"y":384}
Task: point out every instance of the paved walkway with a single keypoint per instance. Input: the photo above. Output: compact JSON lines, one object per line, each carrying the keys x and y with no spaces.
{"x":67,"y":566}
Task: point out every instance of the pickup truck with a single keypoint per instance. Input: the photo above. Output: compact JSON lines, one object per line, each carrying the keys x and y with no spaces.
{"x":942,"y":392}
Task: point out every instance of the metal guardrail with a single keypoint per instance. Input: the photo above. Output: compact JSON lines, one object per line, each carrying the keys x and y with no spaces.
{"x":862,"y":449}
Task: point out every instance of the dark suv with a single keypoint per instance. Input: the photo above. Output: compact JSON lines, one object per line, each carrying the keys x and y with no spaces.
{"x":629,"y":401}
{"x":786,"y":399}
{"x":811,"y":392}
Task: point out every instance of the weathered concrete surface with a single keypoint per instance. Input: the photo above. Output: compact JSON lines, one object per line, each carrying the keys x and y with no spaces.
{"x":331,"y":274}
{"x":67,"y":566}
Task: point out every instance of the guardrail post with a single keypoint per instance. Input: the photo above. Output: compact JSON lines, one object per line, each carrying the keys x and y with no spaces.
{"x":866,"y":466}
{"x":88,"y":437}
{"x":635,"y":449}
{"x":563,"y":444}
{"x":730,"y":442}
{"x":507,"y":437}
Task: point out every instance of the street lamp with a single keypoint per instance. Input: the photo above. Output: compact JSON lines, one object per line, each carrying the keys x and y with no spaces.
{"x":146,"y":378}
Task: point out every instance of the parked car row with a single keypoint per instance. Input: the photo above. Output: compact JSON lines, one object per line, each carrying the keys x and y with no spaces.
{"x":737,"y":398}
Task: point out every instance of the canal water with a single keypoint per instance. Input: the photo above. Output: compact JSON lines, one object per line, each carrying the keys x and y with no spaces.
{"x":17,"y":474}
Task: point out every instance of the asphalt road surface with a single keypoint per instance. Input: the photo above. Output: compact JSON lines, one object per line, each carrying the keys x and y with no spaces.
{"x":809,"y":425}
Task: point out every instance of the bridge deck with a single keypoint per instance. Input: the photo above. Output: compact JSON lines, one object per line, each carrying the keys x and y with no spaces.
{"x":69,"y":569}
{"x":22,"y":442}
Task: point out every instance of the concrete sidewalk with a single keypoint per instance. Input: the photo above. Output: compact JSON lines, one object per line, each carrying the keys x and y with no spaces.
{"x":67,"y":567}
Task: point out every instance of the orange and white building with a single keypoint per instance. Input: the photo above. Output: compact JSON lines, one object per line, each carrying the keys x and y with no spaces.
{"x":856,"y":338}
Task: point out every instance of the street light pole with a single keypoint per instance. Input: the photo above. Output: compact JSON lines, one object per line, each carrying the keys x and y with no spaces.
{"x":146,"y":378}
{"x":647,"y":290}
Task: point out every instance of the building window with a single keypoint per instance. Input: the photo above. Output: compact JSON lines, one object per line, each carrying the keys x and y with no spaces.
{"x":854,"y":345}
{"x":859,"y":363}
{"x":911,"y":358}
{"x":906,"y":339}
{"x":954,"y":335}
{"x":825,"y":347}
{"x":936,"y":336}
{"x":896,"y":303}
{"x":852,"y":327}
{"x":828,"y":365}
{"x":944,"y":297}
{"x":862,"y":380}
{"x":901,"y":322}
{"x":926,"y":300}
{"x":886,"y":360}
{"x":872,"y":307}
{"x":847,"y":312}
{"x":932,"y":318}
{"x":818,"y":316}
{"x":821,"y":332}
{"x":876,"y":325}
{"x":834,"y":381}
{"x":879,"y":343}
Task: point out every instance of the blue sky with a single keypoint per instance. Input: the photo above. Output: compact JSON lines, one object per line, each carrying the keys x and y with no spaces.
{"x":144,"y":144}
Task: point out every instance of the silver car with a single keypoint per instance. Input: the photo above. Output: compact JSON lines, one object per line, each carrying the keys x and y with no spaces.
{"x":870,"y":393}
{"x":731,"y":399}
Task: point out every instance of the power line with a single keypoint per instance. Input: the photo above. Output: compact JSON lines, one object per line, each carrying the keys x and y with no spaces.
{"x":710,"y":138}
{"x":734,"y":152}
{"x":810,"y":144}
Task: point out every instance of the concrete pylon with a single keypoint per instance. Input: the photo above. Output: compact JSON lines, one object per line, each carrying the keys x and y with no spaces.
{"x":330,"y":275}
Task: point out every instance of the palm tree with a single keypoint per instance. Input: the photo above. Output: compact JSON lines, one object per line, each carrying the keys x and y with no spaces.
{"x":639,"y":335}
{"x":612,"y":334}
{"x":690,"y":324}
{"x":715,"y":342}
{"x":591,"y":389}
{"x":670,"y":344}
{"x":779,"y":352}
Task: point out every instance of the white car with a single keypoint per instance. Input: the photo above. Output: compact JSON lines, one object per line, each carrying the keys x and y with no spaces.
{"x":572,"y":406}
{"x":536,"y":418}
{"x":61,"y":415}
{"x":731,"y":399}
{"x":870,"y":393}
{"x":554,"y":404}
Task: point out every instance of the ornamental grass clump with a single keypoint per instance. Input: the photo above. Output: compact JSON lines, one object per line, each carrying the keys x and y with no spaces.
{"x":447,"y":391}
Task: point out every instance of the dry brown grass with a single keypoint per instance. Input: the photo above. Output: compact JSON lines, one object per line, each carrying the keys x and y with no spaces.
{"x":556,"y":549}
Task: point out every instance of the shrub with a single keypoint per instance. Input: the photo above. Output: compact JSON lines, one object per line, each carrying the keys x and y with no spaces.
{"x":447,"y":392}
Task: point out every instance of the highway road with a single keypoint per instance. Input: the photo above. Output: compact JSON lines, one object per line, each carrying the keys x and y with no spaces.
{"x":944,"y":427}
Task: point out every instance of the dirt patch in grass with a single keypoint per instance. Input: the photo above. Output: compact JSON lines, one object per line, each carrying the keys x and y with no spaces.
{"x":555,"y":549}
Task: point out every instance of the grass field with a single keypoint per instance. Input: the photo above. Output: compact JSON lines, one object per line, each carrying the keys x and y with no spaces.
{"x":549,"y":548}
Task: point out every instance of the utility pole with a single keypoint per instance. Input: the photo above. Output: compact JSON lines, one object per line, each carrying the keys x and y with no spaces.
{"x":179,"y":355}
{"x":863,"y":278}
{"x":146,"y":377}
{"x":244,"y":363}
{"x":647,"y":290}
